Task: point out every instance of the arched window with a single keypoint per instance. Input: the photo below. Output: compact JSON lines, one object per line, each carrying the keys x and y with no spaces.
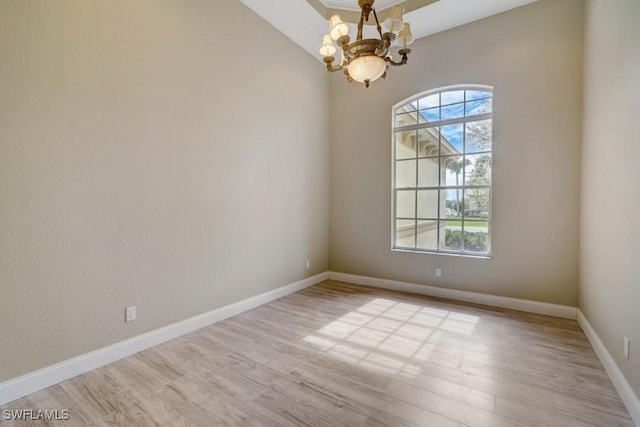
{"x":442,"y":141}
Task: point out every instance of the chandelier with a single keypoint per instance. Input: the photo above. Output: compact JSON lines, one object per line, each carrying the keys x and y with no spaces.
{"x":366,"y":60}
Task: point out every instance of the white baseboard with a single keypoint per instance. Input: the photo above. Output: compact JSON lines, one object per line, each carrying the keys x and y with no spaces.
{"x":625,"y":391}
{"x":51,"y":375}
{"x":537,"y":307}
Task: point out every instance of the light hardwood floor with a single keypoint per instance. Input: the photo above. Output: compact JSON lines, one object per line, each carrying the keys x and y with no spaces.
{"x":342,"y":355}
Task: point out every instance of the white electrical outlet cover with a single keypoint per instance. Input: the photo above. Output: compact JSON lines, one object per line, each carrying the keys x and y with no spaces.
{"x":130,"y":314}
{"x":626,"y":347}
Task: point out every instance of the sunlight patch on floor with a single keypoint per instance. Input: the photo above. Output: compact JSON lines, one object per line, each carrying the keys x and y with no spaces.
{"x":385,"y":335}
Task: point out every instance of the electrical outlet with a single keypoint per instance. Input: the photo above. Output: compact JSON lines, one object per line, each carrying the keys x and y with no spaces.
{"x":308,"y":264}
{"x":130,"y":314}
{"x":438,"y":272}
{"x":626,"y":347}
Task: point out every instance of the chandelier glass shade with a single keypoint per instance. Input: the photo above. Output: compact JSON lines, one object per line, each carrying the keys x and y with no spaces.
{"x":367,"y":68}
{"x":366,"y":60}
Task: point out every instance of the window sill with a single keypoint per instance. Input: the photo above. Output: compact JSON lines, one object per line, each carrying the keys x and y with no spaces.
{"x":485,"y":257}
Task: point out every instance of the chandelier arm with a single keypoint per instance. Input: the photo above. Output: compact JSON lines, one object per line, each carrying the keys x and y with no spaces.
{"x":389,"y":37}
{"x":360,"y":25}
{"x":387,"y":40}
{"x":405,"y":57}
{"x":394,"y":63}
{"x":330,"y":67}
{"x":379,"y":28}
{"x":343,"y":42}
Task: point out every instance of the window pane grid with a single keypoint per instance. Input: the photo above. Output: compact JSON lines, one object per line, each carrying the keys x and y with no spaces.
{"x":429,"y":125}
{"x":456,"y":142}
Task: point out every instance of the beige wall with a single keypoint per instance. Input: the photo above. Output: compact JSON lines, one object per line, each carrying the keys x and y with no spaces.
{"x":610,"y":226}
{"x":146,"y":161}
{"x":533,"y":57}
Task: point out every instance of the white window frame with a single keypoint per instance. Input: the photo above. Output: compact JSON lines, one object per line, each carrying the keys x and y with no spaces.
{"x":440,"y":187}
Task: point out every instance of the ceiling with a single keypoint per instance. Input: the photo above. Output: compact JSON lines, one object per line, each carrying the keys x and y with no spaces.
{"x":304,"y":21}
{"x":353,"y":4}
{"x":349,"y":10}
